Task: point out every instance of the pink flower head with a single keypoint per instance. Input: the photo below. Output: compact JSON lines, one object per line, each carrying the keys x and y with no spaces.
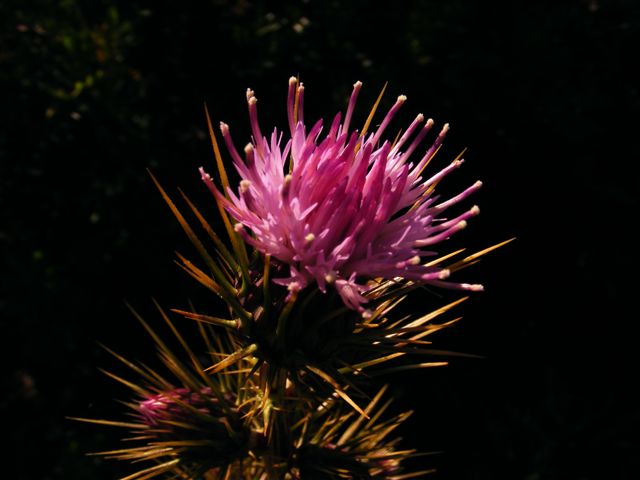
{"x":167,"y":406}
{"x":340,"y":207}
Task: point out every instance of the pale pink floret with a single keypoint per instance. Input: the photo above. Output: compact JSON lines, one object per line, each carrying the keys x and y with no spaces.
{"x":348,"y":209}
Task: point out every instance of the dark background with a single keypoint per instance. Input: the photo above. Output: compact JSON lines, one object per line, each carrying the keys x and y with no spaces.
{"x":542,"y":93}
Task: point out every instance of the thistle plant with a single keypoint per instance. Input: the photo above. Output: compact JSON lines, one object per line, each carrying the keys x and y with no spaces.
{"x":327,"y":232}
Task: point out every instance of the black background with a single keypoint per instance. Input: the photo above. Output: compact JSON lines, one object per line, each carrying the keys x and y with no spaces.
{"x":543,"y":95}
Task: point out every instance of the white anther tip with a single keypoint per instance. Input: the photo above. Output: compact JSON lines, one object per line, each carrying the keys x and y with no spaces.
{"x":414,"y":260}
{"x":244,"y":185}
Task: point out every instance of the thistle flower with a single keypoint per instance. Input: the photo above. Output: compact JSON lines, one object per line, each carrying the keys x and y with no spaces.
{"x":193,"y":430}
{"x":344,"y":211}
{"x":281,"y":397}
{"x":343,"y":207}
{"x":175,"y":404}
